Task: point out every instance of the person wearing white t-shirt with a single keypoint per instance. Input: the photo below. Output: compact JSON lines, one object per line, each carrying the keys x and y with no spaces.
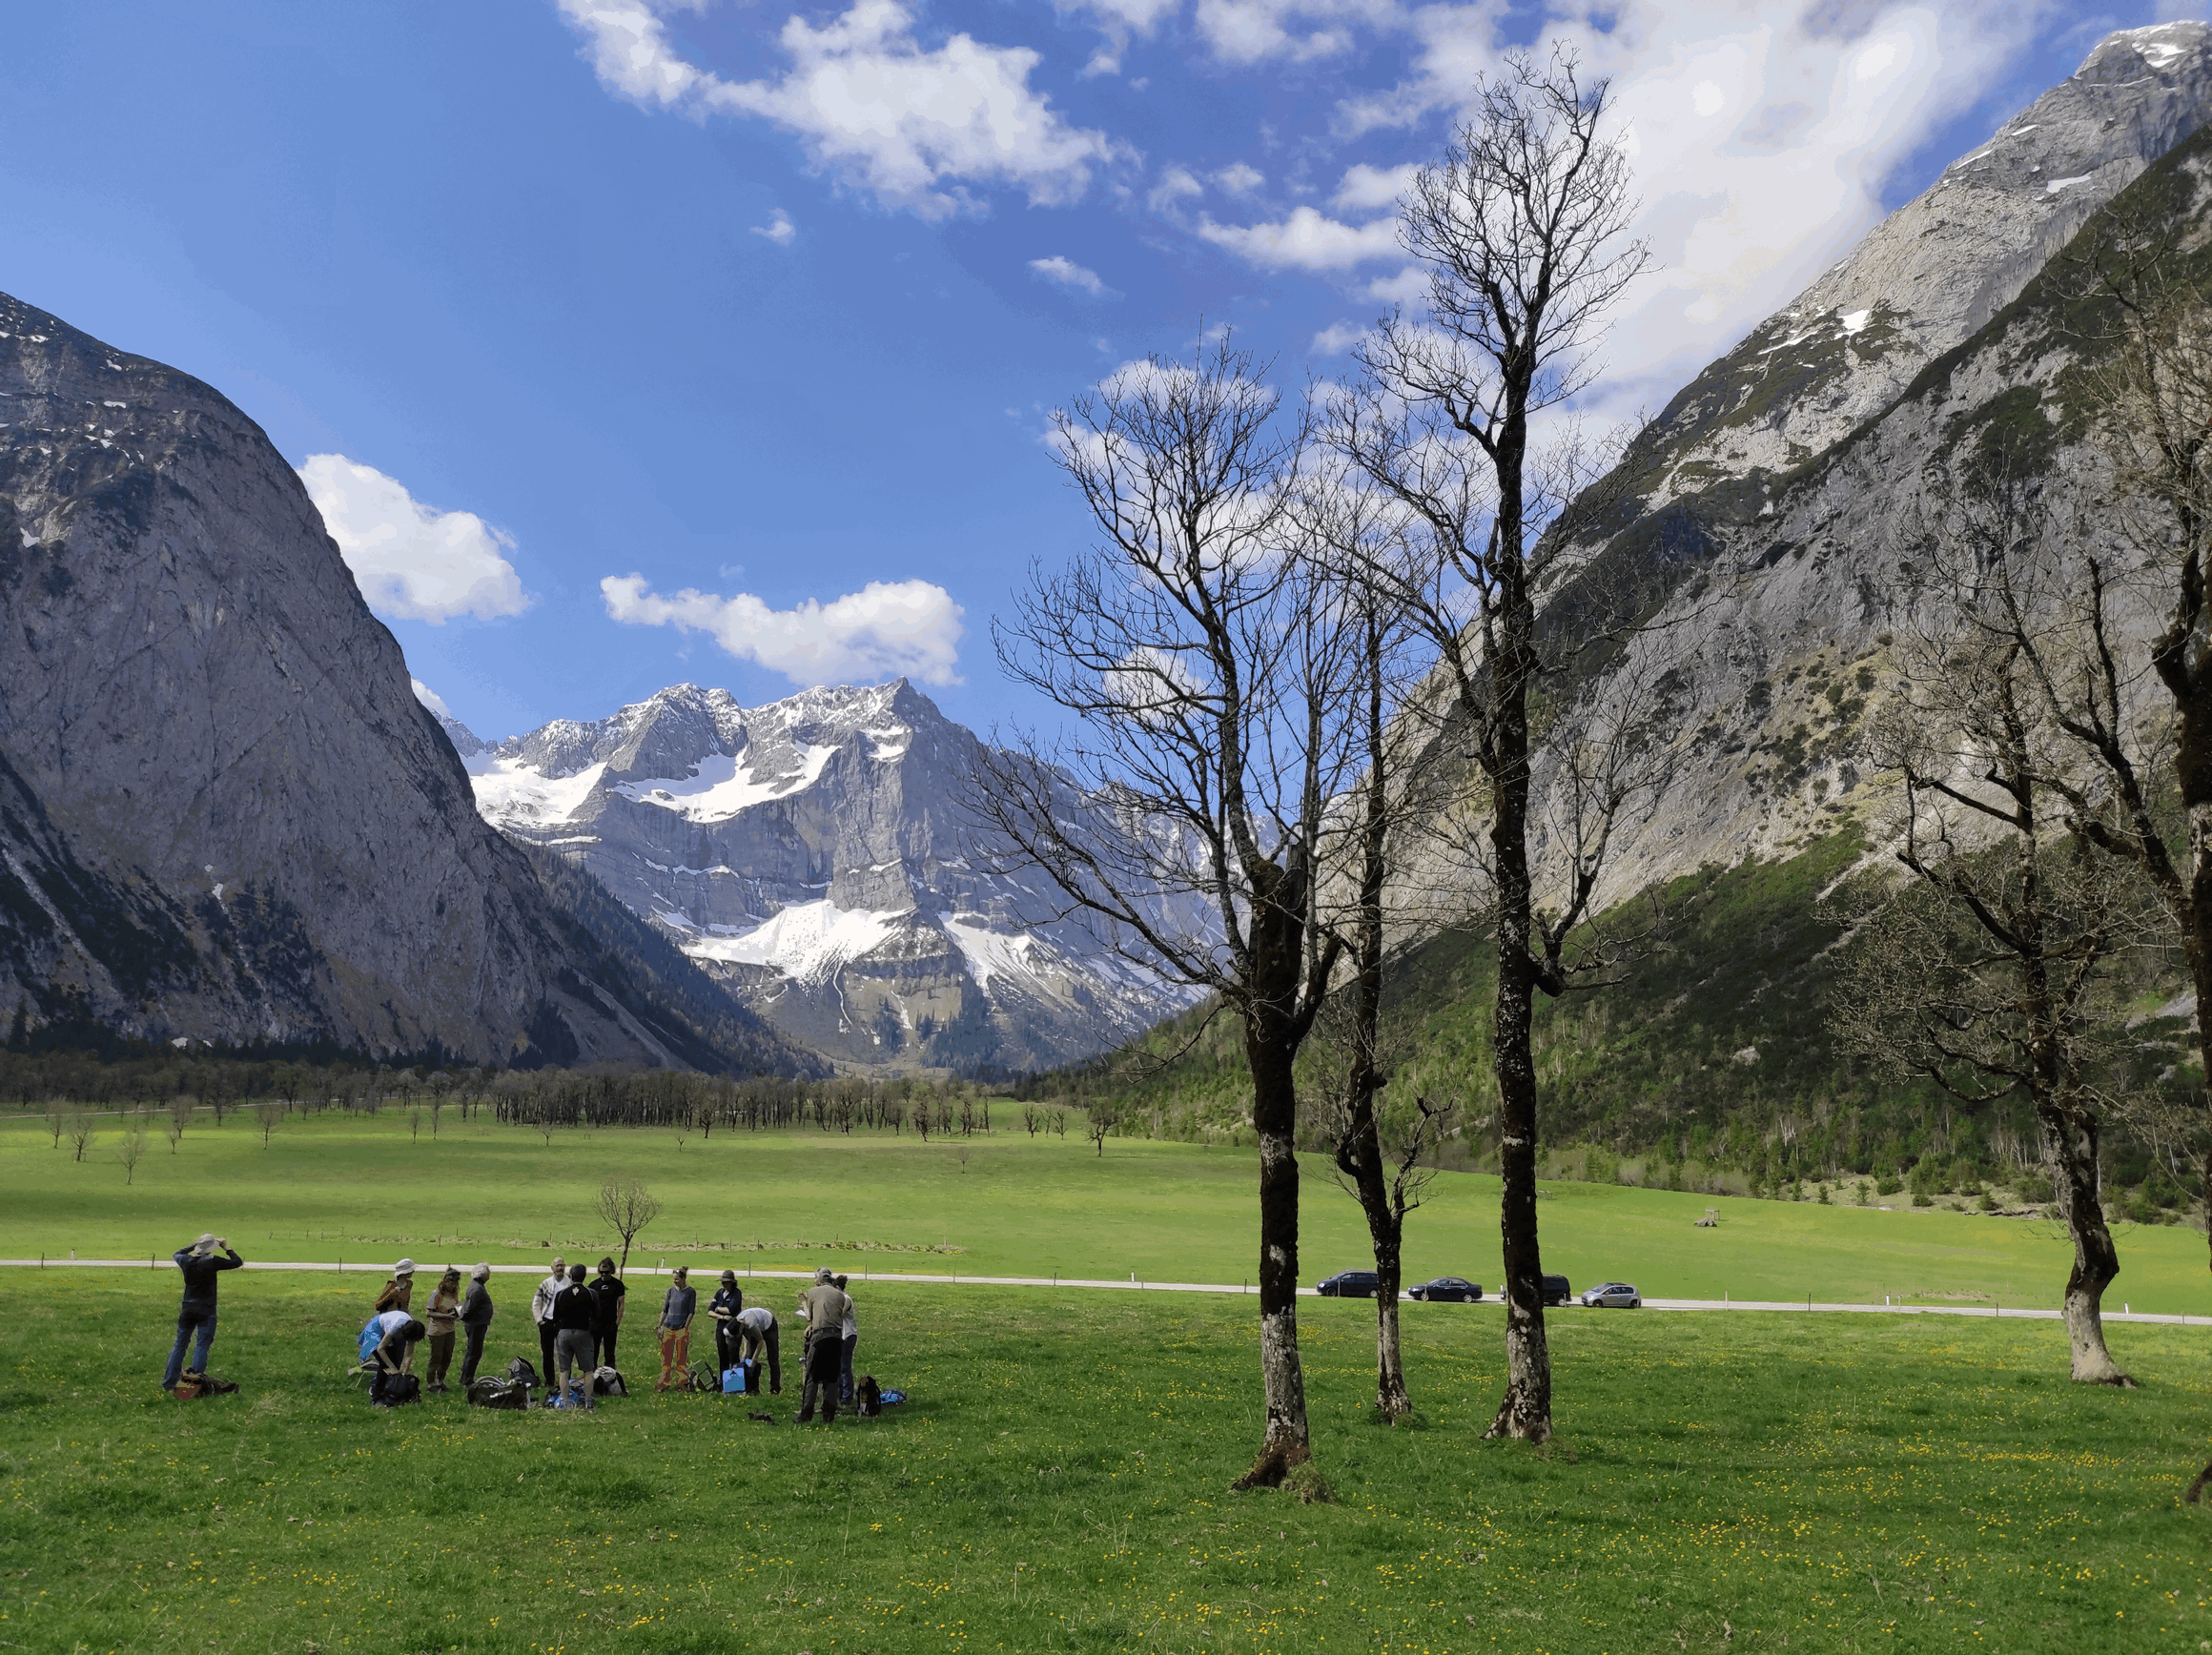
{"x":757,"y":1332}
{"x":541,"y":1313}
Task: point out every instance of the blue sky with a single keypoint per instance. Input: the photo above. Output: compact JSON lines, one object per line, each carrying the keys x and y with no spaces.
{"x":628,"y":342}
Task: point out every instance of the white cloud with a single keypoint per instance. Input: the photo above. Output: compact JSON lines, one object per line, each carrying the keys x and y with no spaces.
{"x":779,"y":228}
{"x":1067,"y":272}
{"x":1249,"y":30}
{"x":1175,"y":185}
{"x":1118,"y":20}
{"x":1338,"y":338}
{"x":1363,"y":187}
{"x":1408,"y":287}
{"x":1240,"y":179}
{"x":915,"y":128}
{"x":1306,"y":240}
{"x":908,"y":627}
{"x":431,"y":698}
{"x":412,"y":561}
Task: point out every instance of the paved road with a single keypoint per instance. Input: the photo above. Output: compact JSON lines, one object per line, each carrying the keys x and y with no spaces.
{"x":1134,"y":1285}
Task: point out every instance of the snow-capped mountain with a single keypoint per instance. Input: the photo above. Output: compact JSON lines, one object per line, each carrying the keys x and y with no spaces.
{"x":812,"y":856}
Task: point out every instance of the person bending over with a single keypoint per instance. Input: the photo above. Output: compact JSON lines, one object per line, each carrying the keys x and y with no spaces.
{"x":195,"y":1314}
{"x":575,"y":1329}
{"x":677,"y":1309}
{"x":393,"y":1354}
{"x":757,"y":1331}
{"x":443,"y":1316}
{"x":608,"y":1293}
{"x":822,"y":1307}
{"x":476,"y":1320}
{"x":724,"y":1310}
{"x":542,"y":1312}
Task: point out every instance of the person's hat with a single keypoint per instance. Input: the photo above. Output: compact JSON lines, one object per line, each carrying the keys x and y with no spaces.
{"x":823,"y":1276}
{"x":729,"y":1275}
{"x":480,"y":1271}
{"x":204,"y":1245}
{"x":405,"y":1267}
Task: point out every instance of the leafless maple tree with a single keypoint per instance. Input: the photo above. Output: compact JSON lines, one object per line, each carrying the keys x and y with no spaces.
{"x":1521,"y":227}
{"x":625,"y":1206}
{"x":1185,"y":809}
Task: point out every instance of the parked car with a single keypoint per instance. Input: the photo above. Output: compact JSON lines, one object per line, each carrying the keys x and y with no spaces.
{"x":1613,"y":1295}
{"x":1556,"y":1289}
{"x":1348,"y":1284}
{"x":1446,"y":1289}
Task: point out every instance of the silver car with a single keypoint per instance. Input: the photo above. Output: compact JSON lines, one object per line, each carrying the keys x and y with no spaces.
{"x":1612,"y":1295}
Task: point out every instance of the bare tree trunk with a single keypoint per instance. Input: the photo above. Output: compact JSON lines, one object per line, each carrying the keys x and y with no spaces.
{"x":2071,"y":1136}
{"x":1287,"y":1441}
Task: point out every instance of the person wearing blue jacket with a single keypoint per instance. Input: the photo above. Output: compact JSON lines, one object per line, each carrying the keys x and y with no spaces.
{"x":195,"y":1317}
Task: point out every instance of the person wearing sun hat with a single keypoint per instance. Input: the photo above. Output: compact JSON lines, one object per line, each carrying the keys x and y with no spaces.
{"x":195,"y":1315}
{"x":400,"y":1289}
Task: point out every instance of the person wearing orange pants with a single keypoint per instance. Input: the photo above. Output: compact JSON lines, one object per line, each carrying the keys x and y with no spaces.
{"x":676,"y":1311}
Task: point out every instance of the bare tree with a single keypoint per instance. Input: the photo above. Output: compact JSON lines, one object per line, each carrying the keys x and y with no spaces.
{"x":179,"y":1117}
{"x":1193,"y":646}
{"x":1993,"y":977}
{"x":133,"y":1149}
{"x":1100,"y":1116}
{"x":625,"y":1206}
{"x":270,"y":1116}
{"x":1520,"y":227}
{"x":78,"y":1128}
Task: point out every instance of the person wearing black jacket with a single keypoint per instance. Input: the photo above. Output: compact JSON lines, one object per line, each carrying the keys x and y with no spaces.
{"x":476,"y":1320}
{"x":608,"y":1293}
{"x":575,"y":1325}
{"x":196,"y":1314}
{"x":724,"y":1310}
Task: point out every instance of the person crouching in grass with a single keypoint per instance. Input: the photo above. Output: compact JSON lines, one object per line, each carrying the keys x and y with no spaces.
{"x":677,"y":1309}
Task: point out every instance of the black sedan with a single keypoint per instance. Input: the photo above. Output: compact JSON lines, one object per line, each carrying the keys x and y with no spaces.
{"x":1348,"y":1284}
{"x":1448,"y":1290}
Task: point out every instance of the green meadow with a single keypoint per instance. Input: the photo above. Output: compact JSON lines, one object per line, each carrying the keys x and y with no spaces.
{"x":367,"y":1189}
{"x":1060,"y":1482}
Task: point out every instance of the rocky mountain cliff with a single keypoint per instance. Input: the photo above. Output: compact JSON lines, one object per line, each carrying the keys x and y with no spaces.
{"x":223,"y":814}
{"x":1770,"y":511}
{"x":812,"y":856}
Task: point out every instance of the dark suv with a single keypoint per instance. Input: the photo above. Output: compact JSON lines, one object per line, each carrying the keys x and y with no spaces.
{"x":1556,"y":1289}
{"x":1348,"y":1284}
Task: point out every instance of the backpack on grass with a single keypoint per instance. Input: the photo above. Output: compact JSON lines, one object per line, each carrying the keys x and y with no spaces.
{"x":742,"y":1379}
{"x":608,"y":1382}
{"x":489,"y":1392}
{"x":190,"y":1386}
{"x":520,"y":1372}
{"x":704,"y":1377}
{"x":395,"y":1390}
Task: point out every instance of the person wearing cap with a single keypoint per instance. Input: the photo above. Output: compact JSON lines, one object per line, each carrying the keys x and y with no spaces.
{"x":476,"y":1320}
{"x":442,"y":1317}
{"x":195,"y":1315}
{"x":676,"y":1313}
{"x":400,"y":1289}
{"x":823,"y":1308}
{"x":542,"y":1312}
{"x":724,"y":1308}
{"x":757,"y":1331}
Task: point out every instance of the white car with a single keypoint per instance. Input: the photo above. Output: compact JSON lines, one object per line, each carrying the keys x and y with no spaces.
{"x":1612,"y":1295}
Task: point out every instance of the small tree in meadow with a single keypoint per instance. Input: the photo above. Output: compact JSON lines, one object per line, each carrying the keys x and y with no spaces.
{"x":625,"y":1206}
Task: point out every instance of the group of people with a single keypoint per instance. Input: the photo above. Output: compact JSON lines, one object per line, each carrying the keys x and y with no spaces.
{"x":578,"y":1318}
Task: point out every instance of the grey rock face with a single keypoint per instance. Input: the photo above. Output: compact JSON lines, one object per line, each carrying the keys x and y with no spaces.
{"x":1936,"y":270}
{"x":812,"y":855}
{"x":1791,"y":590}
{"x":223,"y":814}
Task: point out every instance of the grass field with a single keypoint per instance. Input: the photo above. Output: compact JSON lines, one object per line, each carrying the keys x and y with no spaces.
{"x":1059,"y":1483}
{"x":362,"y":1188}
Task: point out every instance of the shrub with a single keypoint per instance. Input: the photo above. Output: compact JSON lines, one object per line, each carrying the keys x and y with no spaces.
{"x":1887,"y":1184}
{"x":1987,"y":1204}
{"x":1921,"y":1199}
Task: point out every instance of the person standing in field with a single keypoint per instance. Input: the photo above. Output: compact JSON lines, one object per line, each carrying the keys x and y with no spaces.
{"x":196,"y":1314}
{"x":575,"y":1321}
{"x":442,"y":1317}
{"x":400,"y":1289}
{"x":757,"y":1332}
{"x":724,"y":1309}
{"x":542,"y":1312}
{"x":851,"y":1343}
{"x":823,"y":1308}
{"x":607,"y":1294}
{"x":676,"y":1311}
{"x":476,"y":1320}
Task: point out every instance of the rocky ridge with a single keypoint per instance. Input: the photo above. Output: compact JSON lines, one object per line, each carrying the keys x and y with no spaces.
{"x":812,"y":856}
{"x":223,"y":814}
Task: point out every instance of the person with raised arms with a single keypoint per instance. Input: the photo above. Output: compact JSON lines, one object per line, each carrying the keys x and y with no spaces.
{"x":196,"y":1314}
